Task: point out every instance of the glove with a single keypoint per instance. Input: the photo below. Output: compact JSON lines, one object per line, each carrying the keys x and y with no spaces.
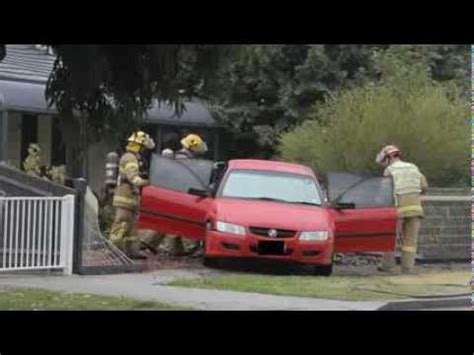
{"x":139,"y":182}
{"x":144,"y":182}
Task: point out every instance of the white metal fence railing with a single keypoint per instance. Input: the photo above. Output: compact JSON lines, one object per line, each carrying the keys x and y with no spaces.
{"x":36,"y":233}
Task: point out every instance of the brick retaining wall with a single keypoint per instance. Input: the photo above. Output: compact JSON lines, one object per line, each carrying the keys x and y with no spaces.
{"x":446,"y":229}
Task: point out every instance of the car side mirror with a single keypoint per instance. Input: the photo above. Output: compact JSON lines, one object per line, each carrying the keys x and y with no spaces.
{"x":213,"y":188}
{"x":219,"y":165}
{"x":199,"y":192}
{"x":343,"y":205}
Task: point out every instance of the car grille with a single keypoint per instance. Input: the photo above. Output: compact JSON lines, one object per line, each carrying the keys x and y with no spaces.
{"x":282,"y":233}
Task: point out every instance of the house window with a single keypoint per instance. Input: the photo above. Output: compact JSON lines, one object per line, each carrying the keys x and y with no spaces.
{"x":170,"y":138}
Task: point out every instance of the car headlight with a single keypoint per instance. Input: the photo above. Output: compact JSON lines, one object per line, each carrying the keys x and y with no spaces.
{"x":230,"y":228}
{"x":314,"y":235}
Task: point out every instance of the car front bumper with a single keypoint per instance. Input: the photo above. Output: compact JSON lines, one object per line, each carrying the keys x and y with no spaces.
{"x":224,"y":245}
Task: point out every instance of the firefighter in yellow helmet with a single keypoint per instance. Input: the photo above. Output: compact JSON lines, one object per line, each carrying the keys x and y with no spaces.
{"x":192,"y":146}
{"x":409,"y":184}
{"x":126,"y":198}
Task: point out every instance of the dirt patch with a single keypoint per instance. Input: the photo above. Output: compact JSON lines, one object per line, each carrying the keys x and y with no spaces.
{"x":164,"y":261}
{"x":351,"y":265}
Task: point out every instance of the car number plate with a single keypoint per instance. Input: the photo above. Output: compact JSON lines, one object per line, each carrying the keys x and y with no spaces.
{"x":271,"y":248}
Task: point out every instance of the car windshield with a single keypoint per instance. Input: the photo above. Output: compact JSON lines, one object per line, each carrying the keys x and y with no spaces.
{"x":271,"y":186}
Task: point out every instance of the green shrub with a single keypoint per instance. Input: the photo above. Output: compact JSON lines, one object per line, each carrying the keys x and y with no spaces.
{"x":429,"y":121}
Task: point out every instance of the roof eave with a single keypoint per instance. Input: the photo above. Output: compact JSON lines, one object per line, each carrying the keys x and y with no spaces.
{"x":22,"y":80}
{"x":179,"y":123}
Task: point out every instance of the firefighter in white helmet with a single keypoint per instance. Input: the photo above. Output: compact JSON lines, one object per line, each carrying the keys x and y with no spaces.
{"x":126,"y":198}
{"x":167,"y":153}
{"x":409,"y":184}
{"x":192,"y":146}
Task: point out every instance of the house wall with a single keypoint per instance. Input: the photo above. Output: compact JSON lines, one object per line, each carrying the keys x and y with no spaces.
{"x":44,"y":138}
{"x":97,"y":152}
{"x":446,"y":228}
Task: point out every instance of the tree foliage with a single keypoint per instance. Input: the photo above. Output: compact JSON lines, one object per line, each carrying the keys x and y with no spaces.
{"x":427,"y":119}
{"x":112,"y":86}
{"x":269,"y":89}
{"x":257,"y":92}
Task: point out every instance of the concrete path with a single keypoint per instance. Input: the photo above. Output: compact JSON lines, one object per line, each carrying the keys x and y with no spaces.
{"x":149,"y":286}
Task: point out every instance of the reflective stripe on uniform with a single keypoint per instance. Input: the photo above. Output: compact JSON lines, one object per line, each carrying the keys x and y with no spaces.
{"x":130,"y":167}
{"x":410,"y":209}
{"x":409,"y":249}
{"x":125,"y":200}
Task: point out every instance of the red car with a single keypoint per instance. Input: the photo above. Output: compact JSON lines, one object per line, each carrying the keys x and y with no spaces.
{"x":269,"y":209}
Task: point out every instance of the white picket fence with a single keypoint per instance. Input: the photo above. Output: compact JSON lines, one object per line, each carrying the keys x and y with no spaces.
{"x":36,"y":233}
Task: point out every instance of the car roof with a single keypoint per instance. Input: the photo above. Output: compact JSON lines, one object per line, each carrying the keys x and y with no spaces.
{"x":270,"y":165}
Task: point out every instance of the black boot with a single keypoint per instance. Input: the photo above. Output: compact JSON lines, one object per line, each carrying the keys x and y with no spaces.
{"x":133,"y":251}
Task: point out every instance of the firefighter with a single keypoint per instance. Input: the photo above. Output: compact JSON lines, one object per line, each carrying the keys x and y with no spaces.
{"x":57,"y":174}
{"x":32,"y":163}
{"x":126,"y":198}
{"x":409,"y":185}
{"x":192,"y":146}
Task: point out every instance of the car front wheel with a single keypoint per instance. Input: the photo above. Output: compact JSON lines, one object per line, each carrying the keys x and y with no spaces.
{"x":323,"y":270}
{"x":208,"y":262}
{"x":211,"y":262}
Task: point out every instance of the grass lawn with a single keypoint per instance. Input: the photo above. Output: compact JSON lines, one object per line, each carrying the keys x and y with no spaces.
{"x":353,"y":288}
{"x":29,"y":299}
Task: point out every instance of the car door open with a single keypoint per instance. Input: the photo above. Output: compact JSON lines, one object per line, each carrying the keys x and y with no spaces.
{"x":178,"y":197}
{"x":364,"y":212}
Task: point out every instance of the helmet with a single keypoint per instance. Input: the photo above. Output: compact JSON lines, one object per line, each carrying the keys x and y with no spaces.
{"x":194,"y":143}
{"x":389,"y":150}
{"x":168,"y":153}
{"x":143,"y":139}
{"x":34,"y":148}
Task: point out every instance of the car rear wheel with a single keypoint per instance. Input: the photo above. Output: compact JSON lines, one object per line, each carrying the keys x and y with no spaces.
{"x":323,"y":270}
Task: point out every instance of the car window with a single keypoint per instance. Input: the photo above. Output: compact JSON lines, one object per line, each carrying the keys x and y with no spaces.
{"x":249,"y":184}
{"x":365,"y":191}
{"x":180,"y":175}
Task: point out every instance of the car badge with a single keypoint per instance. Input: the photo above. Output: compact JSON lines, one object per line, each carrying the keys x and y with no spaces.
{"x":272,"y":233}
